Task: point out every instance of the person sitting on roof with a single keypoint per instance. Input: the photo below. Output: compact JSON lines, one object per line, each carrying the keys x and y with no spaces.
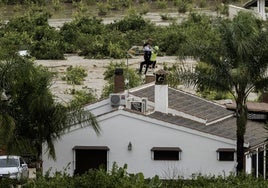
{"x":147,"y":56}
{"x":152,"y":60}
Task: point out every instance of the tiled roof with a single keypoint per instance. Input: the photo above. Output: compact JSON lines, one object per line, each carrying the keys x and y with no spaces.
{"x":188,"y":103}
{"x":198,"y":107}
{"x":255,"y":132}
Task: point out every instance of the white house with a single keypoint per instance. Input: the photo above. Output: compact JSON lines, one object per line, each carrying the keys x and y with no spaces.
{"x":156,"y":130}
{"x":258,"y":6}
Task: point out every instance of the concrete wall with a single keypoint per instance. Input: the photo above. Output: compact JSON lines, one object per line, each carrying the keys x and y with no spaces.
{"x":233,"y":11}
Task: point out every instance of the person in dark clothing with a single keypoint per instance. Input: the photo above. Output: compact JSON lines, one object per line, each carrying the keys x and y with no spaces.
{"x":147,"y":56}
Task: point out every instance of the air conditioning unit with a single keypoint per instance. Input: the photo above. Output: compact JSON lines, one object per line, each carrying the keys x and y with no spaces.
{"x":128,"y":101}
{"x":139,"y":106}
{"x":117,"y":99}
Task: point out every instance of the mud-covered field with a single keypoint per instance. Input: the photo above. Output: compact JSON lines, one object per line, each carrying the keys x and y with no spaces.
{"x":95,"y":69}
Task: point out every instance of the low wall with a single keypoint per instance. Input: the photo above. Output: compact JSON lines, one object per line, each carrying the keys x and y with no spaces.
{"x":233,"y":10}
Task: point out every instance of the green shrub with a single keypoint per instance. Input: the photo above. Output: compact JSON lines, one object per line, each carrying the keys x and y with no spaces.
{"x":202,"y":3}
{"x":119,"y":4}
{"x":130,"y":22}
{"x":75,"y":75}
{"x":5,"y":183}
{"x":161,"y":4}
{"x":103,"y":8}
{"x":83,"y":97}
{"x":129,"y":74}
{"x":223,"y":9}
{"x":182,"y":5}
{"x":70,"y":33}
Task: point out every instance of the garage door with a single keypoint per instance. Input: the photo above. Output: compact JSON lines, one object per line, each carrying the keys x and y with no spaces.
{"x":90,"y":157}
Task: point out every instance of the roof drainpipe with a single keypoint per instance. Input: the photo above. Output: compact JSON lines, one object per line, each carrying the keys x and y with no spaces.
{"x":161,"y":92}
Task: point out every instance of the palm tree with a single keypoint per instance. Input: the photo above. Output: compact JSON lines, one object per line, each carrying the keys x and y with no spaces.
{"x":235,"y":60}
{"x":31,"y":116}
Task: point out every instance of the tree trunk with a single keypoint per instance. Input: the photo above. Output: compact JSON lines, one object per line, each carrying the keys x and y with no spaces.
{"x":241,"y":122}
{"x":240,"y":153}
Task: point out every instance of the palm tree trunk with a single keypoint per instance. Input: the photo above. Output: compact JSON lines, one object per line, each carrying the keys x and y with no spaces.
{"x":240,"y":132}
{"x":240,"y":152}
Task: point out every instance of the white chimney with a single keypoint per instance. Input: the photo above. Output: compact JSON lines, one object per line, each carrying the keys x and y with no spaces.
{"x":161,"y":92}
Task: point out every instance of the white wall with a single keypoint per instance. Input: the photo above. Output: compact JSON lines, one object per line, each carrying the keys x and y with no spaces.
{"x":248,"y":162}
{"x":198,"y":152}
{"x":233,"y":11}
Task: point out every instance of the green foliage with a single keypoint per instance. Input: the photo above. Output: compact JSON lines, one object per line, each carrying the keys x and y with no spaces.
{"x":235,"y":55}
{"x":119,"y":4}
{"x":12,"y":2}
{"x":193,"y":35}
{"x":161,"y":4}
{"x":90,"y":37}
{"x":172,"y":78}
{"x":215,"y":95}
{"x":31,"y":32}
{"x":11,"y":43}
{"x":119,"y":177}
{"x":129,"y":74}
{"x":223,"y":9}
{"x":31,"y":117}
{"x":202,"y":3}
{"x":47,"y":44}
{"x":75,"y":75}
{"x":70,"y":34}
{"x":130,"y":22}
{"x":5,"y":182}
{"x":83,"y":97}
{"x":182,"y":5}
{"x":115,"y":50}
{"x":103,"y":8}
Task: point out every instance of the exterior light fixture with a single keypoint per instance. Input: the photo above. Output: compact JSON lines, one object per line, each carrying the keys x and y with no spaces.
{"x":129,"y":147}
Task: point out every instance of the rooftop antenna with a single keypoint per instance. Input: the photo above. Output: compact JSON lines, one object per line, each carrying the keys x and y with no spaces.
{"x":127,"y":79}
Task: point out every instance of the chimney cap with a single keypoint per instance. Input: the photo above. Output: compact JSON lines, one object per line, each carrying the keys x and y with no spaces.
{"x":118,"y":71}
{"x":160,"y":77}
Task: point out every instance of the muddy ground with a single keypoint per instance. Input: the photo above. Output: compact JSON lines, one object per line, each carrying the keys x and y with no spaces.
{"x":95,"y":69}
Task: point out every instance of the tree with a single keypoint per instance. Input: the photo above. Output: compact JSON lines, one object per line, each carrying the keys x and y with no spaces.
{"x":29,"y":115}
{"x":130,"y":74}
{"x":236,"y":58}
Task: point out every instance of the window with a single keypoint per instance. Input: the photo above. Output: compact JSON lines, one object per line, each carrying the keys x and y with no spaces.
{"x":225,"y":154}
{"x":166,"y":153}
{"x":90,"y":157}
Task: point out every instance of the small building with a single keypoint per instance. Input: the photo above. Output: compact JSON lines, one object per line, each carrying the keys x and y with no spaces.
{"x":254,"y":6}
{"x":257,"y":6}
{"x":157,"y":130}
